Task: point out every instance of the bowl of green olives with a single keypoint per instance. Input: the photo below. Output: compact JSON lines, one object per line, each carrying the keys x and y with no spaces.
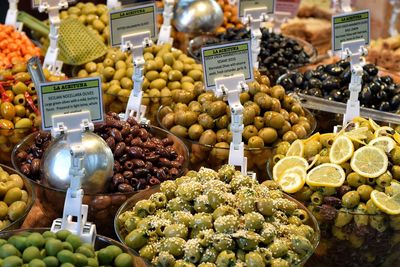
{"x":130,"y":175}
{"x":16,"y":198}
{"x":359,"y":226}
{"x":41,"y":247}
{"x":166,"y":69}
{"x":217,"y":218}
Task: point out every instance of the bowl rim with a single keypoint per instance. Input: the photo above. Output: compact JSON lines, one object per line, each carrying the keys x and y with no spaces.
{"x":29,"y":187}
{"x":184,"y":166}
{"x":312,"y":222}
{"x":309,"y":114}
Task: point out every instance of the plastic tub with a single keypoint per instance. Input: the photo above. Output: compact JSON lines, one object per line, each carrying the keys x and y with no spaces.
{"x":102,"y":207}
{"x":213,"y":157}
{"x":130,"y":203}
{"x":100,"y":242}
{"x":31,"y":199}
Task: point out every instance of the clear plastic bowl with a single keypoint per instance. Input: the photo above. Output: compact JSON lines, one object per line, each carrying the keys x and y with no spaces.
{"x":214,"y":157}
{"x":103,"y":206}
{"x":354,"y":246}
{"x":130,"y":203}
{"x":100,"y":242}
{"x":31,"y":199}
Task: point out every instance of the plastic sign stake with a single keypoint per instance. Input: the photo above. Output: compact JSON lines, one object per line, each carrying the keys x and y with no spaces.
{"x":12,"y":14}
{"x":164,"y":36}
{"x":349,"y":27}
{"x":111,"y":4}
{"x":227,"y":68}
{"x":341,"y":6}
{"x":393,"y":19}
{"x":52,"y":7}
{"x":36,"y":3}
{"x":280,"y":17}
{"x":135,"y":27}
{"x":354,"y":51}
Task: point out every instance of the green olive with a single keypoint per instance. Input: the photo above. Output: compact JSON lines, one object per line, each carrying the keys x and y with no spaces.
{"x":195,"y":131}
{"x":249,"y":131}
{"x":268,"y":135}
{"x":206,"y":121}
{"x":255,"y":142}
{"x":289,"y":136}
{"x":179,"y":130}
{"x":274,"y":119}
{"x":208,"y":137}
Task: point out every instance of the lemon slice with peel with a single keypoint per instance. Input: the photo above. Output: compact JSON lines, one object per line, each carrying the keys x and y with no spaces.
{"x":387,"y":204}
{"x":326,"y":174}
{"x":315,"y":136}
{"x":286,"y":163}
{"x":384,"y":142}
{"x":342,"y":149}
{"x":291,"y":182}
{"x":369,"y":161}
{"x":299,"y":170}
{"x":384,"y":131}
{"x":357,"y":135}
{"x":296,"y":149}
{"x":373,"y":124}
{"x":396,"y":137}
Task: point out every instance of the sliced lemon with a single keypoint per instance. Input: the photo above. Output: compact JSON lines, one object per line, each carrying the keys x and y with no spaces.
{"x":326,"y":174}
{"x":373,"y":124}
{"x":342,"y":149}
{"x":384,"y":131}
{"x":299,"y":170}
{"x":387,"y":204}
{"x":315,"y":136}
{"x":358,"y":135}
{"x":369,"y":161}
{"x":296,"y":149}
{"x":286,"y":163}
{"x":384,"y":142}
{"x":291,"y":182}
{"x":396,"y":137}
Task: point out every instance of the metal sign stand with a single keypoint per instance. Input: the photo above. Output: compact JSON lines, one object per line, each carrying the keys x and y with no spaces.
{"x":135,"y":43}
{"x":52,"y":7}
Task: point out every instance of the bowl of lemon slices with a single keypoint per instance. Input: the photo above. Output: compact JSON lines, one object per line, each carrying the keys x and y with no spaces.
{"x":349,"y":180}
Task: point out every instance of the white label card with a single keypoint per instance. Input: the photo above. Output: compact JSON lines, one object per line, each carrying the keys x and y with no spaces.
{"x":349,"y":27}
{"x":36,"y":3}
{"x":248,"y":4}
{"x":290,"y":6}
{"x":132,"y":20}
{"x":70,"y":96}
{"x":226,"y":60}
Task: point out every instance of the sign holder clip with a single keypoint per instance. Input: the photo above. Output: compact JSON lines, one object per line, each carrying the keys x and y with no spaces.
{"x":164,"y":37}
{"x":231,"y":87}
{"x":12,"y":14}
{"x":354,"y":51}
{"x":113,"y":4}
{"x":253,"y":17}
{"x":341,"y":6}
{"x":135,"y":43}
{"x":75,"y":213}
{"x":279,"y":18}
{"x":52,"y":7}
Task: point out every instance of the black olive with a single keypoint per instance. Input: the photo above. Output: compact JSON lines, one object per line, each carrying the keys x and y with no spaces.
{"x":336,"y":95}
{"x":387,"y":79}
{"x":331,"y":83}
{"x":381,"y":95}
{"x":371,"y":69}
{"x":375,"y":87}
{"x":309,"y":74}
{"x":320,"y":68}
{"x":298,"y":79}
{"x":313,"y":82}
{"x":395,"y":102}
{"x":365,"y":94}
{"x":287,"y":83}
{"x":324,"y":76}
{"x":384,"y":106}
{"x":343,"y":64}
{"x":315,"y":92}
{"x":333,"y":69}
{"x":345,"y":76}
{"x":366,"y":78}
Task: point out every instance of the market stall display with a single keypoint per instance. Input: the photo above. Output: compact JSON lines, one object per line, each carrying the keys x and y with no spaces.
{"x":349,"y":181}
{"x":211,"y":218}
{"x":128,"y":177}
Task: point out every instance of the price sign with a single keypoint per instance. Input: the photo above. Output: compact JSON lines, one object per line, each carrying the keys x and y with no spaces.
{"x":227,"y":60}
{"x":248,"y":4}
{"x":132,"y":20}
{"x":70,"y":96}
{"x":36,"y":3}
{"x":289,"y":6}
{"x":349,"y":27}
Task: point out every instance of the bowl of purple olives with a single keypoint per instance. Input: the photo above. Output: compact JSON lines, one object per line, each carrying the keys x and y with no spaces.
{"x":144,"y":156}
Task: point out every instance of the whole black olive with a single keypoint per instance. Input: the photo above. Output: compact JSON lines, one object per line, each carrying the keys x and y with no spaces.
{"x":309,"y":74}
{"x":331,"y":83}
{"x":375,"y":87}
{"x":324,"y":76}
{"x":381,"y":95}
{"x":345,"y":76}
{"x":315,"y":92}
{"x":384,"y":106}
{"x":287,"y":83}
{"x":395,"y":102}
{"x":371,"y":69}
{"x":333,"y":69}
{"x":387,"y":79}
{"x":343,"y":64}
{"x":315,"y":83}
{"x":336,"y":95}
{"x":365,"y":94}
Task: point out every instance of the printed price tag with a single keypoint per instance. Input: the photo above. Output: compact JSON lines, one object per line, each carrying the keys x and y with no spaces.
{"x":248,"y":4}
{"x":290,"y":6}
{"x":132,"y":20}
{"x":349,"y":27}
{"x":70,"y":96}
{"x":226,"y":60}
{"x":36,"y":3}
